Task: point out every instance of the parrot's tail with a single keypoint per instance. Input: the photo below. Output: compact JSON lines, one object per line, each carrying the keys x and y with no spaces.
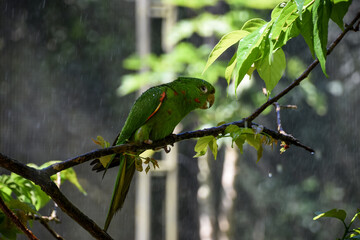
{"x":123,"y":180}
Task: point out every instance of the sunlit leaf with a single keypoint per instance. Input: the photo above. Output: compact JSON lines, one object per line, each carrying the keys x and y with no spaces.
{"x":101,"y":141}
{"x":213,"y":147}
{"x":300,"y":4}
{"x":333,"y":213}
{"x":357,"y":215}
{"x":273,"y":71}
{"x":253,"y":25}
{"x":201,"y":145}
{"x":247,"y":52}
{"x":230,"y":68}
{"x":225,"y":42}
{"x":281,"y":20}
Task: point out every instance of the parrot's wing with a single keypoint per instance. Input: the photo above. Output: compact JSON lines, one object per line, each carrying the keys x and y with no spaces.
{"x":143,"y":109}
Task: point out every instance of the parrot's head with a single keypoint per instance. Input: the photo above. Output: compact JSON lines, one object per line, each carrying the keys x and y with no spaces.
{"x":201,"y":93}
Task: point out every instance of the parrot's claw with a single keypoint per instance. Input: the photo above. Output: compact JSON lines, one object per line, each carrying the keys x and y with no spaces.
{"x":148,"y":141}
{"x":167,"y":149}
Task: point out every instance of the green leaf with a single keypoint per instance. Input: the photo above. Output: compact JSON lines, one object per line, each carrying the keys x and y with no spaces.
{"x":238,"y":135}
{"x":230,"y":69}
{"x":355,"y":216}
{"x":255,"y":141}
{"x":273,"y":71}
{"x":333,"y":213}
{"x":338,"y":11}
{"x":231,"y":129}
{"x":247,"y":52}
{"x":70,"y":175}
{"x":16,"y":204}
{"x":291,"y":31}
{"x":281,"y":20}
{"x":225,"y":42}
{"x":277,"y":10}
{"x":320,"y":16}
{"x":306,"y":30}
{"x":240,"y":141}
{"x":300,"y":5}
{"x":253,"y":25}
{"x":67,"y":174}
{"x":213,"y":147}
{"x":201,"y":145}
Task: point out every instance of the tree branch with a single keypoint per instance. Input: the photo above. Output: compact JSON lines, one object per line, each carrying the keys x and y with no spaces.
{"x":16,"y":220}
{"x":304,"y":75}
{"x":170,"y":140}
{"x":49,"y":187}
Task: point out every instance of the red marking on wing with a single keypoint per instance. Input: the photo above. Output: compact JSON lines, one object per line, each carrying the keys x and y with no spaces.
{"x":183,"y":92}
{"x":163,"y":95}
{"x":176,"y":93}
{"x":197,"y":100}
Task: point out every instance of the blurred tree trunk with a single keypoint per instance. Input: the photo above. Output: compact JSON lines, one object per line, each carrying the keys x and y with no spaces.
{"x":228,"y":194}
{"x":206,"y":199}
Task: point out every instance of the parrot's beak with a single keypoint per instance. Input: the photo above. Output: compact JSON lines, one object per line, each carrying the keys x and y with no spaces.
{"x":209,"y":101}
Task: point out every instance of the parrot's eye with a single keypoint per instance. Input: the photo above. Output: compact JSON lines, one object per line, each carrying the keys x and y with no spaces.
{"x":203,"y":89}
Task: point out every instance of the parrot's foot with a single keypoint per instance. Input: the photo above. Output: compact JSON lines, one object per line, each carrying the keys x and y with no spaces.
{"x":148,"y":141}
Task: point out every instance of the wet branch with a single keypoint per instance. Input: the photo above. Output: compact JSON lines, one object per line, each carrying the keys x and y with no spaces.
{"x":42,"y":179}
{"x":16,"y":220}
{"x":170,"y":140}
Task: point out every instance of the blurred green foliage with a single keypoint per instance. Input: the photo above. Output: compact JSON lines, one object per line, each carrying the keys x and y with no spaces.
{"x":25,"y":198}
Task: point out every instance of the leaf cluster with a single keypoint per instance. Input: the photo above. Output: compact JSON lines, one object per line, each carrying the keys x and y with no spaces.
{"x":259,"y":43}
{"x":253,"y":136}
{"x":25,"y":198}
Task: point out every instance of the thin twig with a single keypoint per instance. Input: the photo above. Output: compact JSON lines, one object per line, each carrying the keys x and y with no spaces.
{"x":44,"y":220}
{"x":304,"y":75}
{"x":16,"y":220}
{"x":278,"y":118}
{"x":52,"y":232}
{"x":278,"y":107}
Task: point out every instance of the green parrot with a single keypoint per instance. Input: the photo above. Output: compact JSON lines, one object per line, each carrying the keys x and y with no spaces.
{"x":154,"y":116}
